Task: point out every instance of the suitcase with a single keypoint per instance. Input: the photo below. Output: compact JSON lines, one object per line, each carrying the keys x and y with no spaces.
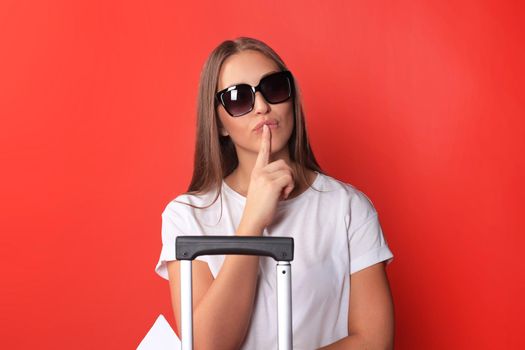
{"x":279,"y":248}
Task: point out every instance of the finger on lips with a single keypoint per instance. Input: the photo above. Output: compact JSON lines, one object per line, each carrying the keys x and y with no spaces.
{"x":264,"y":149}
{"x":278,"y":170}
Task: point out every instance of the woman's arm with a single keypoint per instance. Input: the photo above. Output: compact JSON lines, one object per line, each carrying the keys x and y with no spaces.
{"x":221,"y":307}
{"x":371,"y":312}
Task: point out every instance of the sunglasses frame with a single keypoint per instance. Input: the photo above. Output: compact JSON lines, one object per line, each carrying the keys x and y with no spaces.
{"x":219,"y":95}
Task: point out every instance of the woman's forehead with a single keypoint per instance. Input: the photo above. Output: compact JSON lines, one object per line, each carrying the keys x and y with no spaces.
{"x":245,"y":67}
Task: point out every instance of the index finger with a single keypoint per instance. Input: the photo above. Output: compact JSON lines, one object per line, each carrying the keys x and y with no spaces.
{"x":264,"y":149}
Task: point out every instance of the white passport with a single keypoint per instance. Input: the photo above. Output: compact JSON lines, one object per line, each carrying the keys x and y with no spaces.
{"x":160,"y":337}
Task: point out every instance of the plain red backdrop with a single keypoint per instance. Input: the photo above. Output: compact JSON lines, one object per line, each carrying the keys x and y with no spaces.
{"x":420,"y":104}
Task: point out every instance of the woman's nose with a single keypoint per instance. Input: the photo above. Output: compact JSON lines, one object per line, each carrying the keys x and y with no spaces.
{"x":261,"y":106}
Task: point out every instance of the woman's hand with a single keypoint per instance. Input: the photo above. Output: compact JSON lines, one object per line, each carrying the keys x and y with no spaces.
{"x":269,"y":183}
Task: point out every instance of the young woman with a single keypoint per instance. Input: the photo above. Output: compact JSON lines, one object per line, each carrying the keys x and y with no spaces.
{"x":255,"y":174}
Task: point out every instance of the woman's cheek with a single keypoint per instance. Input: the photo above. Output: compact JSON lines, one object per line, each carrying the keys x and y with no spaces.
{"x":245,"y":138}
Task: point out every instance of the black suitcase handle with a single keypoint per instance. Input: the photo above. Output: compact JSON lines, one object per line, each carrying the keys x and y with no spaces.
{"x":190,"y":247}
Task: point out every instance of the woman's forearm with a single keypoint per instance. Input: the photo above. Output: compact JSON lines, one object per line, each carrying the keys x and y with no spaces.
{"x":223,"y":315}
{"x":351,"y":342}
{"x":355,"y":342}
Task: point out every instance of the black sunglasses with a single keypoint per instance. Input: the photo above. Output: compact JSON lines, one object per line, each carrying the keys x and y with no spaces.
{"x":239,"y":99}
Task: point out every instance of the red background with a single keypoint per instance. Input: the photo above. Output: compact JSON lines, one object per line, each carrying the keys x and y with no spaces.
{"x":420,"y":104}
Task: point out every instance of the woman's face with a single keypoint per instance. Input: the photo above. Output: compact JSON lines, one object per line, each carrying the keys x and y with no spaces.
{"x":249,"y":67}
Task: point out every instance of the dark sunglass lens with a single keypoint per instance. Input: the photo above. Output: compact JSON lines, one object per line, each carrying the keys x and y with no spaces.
{"x":276,"y":88}
{"x":238,"y":101}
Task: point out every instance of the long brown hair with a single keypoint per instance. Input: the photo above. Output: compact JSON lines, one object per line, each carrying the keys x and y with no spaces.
{"x":215,"y":155}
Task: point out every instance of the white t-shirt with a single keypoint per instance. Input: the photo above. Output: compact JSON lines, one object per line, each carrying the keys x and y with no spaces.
{"x":336,"y":232}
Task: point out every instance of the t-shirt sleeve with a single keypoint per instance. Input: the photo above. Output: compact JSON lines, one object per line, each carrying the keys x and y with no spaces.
{"x":177,"y":219}
{"x":365,"y":237}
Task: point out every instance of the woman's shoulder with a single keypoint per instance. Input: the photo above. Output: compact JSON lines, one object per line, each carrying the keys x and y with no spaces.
{"x":342,"y":191}
{"x":329,"y":184}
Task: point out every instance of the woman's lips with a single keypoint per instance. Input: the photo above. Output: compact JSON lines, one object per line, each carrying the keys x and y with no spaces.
{"x":272,"y":124}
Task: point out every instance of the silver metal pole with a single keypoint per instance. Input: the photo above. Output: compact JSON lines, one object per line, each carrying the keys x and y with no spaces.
{"x":186,"y":305}
{"x":284,"y":305}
